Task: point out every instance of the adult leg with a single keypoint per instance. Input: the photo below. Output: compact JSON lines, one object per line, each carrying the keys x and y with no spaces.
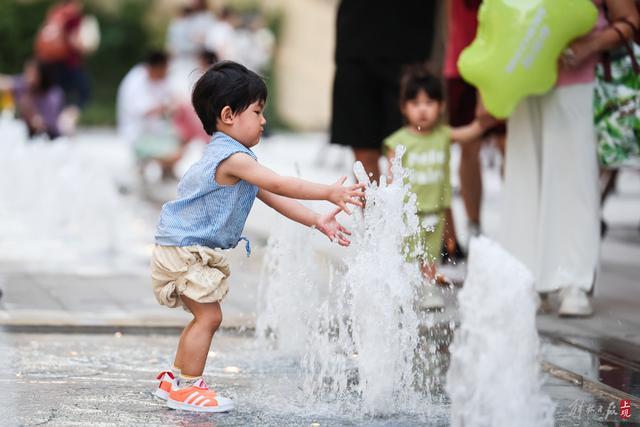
{"x":461,"y":99}
{"x":569,"y":207}
{"x":195,"y":340}
{"x":449,"y":234}
{"x":471,"y":180}
{"x":369,"y":158}
{"x":387,"y":84}
{"x":355,"y":119}
{"x":520,"y":204}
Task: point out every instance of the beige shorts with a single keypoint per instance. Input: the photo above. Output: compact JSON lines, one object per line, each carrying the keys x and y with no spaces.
{"x":197,"y":272}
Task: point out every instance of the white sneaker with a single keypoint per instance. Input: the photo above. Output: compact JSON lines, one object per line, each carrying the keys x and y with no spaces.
{"x":474,"y":229}
{"x":574,"y":302}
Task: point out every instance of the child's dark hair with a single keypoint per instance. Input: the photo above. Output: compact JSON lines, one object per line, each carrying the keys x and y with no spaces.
{"x":157,"y":58}
{"x":208,"y":57}
{"x":416,"y":78}
{"x":226,"y":83}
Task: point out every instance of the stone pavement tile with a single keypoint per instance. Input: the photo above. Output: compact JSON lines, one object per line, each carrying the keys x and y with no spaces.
{"x":107,"y":379}
{"x":22,"y":291}
{"x":63,"y":299}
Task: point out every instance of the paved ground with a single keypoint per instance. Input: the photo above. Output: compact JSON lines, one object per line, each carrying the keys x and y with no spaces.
{"x":72,"y":379}
{"x":602,"y":349}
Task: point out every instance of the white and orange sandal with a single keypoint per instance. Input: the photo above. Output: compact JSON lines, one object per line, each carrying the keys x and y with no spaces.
{"x":167,"y":382}
{"x":198,"y":398}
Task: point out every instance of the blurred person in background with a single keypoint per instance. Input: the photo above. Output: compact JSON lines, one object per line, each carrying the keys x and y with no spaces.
{"x":37,"y":99}
{"x":374,"y":40}
{"x":253,"y":44}
{"x":62,"y":42}
{"x":462,"y":104}
{"x":188,"y":125}
{"x":220,"y":37}
{"x":427,"y":140}
{"x":245,"y":39}
{"x":186,"y":37}
{"x":143,"y":112}
{"x":551,"y":195}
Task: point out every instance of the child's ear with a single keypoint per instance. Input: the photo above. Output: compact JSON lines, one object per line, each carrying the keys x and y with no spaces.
{"x":226,"y":115}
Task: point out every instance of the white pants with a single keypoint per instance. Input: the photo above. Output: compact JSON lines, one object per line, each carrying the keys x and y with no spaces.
{"x":551,"y":212}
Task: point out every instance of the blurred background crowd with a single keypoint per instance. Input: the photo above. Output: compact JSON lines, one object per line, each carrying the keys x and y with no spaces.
{"x":329,"y":65}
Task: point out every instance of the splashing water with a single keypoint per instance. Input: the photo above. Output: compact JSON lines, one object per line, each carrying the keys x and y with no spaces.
{"x":367,"y":351}
{"x":494,"y":377}
{"x":363,"y":348}
{"x":286,"y":283}
{"x":61,"y":210}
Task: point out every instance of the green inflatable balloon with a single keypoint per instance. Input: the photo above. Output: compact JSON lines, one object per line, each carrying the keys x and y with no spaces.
{"x":516,"y":50}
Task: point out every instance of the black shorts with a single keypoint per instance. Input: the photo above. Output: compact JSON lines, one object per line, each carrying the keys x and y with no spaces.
{"x":461,"y":102}
{"x":366,"y":106}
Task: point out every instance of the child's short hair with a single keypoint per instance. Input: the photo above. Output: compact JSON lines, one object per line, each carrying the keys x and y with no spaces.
{"x":226,"y":83}
{"x":156,"y":58}
{"x":416,"y":78}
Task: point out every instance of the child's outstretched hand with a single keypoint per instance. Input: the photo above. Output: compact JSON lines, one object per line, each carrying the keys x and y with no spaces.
{"x":329,"y":226}
{"x":340,"y":195}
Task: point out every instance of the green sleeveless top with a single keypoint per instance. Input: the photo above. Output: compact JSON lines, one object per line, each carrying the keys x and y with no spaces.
{"x":427,"y":157}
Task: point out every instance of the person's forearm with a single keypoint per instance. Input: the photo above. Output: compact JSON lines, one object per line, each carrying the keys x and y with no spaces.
{"x":468,"y":133}
{"x":293,"y":210}
{"x":623,"y":18}
{"x":297,"y":188}
{"x":609,"y":38}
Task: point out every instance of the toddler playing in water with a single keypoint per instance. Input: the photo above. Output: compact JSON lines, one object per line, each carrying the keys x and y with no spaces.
{"x":427,"y":141}
{"x":214,"y":199}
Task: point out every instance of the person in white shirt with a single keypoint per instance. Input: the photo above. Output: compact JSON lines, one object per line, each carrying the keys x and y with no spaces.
{"x":221,"y":36}
{"x":143,"y":98}
{"x":185,"y":40}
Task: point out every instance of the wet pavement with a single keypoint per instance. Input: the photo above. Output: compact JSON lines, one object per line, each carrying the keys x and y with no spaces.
{"x":63,"y":362}
{"x":613,"y":364}
{"x":79,"y":379}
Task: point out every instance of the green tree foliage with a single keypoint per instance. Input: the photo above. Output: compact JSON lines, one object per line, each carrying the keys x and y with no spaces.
{"x":124,"y":42}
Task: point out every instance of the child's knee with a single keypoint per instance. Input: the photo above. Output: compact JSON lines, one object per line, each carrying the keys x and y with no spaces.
{"x":211,"y":319}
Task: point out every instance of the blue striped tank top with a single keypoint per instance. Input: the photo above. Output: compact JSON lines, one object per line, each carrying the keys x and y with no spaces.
{"x":206,"y":213}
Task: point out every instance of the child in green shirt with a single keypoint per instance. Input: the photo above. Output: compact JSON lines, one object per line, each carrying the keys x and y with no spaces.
{"x":427,"y":141}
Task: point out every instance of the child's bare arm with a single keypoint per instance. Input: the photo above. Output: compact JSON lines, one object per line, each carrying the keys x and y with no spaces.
{"x":473,"y":130}
{"x":242,"y":166}
{"x":468,"y":133}
{"x":288,"y":207}
{"x":295,"y":211}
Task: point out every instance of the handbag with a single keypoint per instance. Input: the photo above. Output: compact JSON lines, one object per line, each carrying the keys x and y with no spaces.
{"x":617,"y":105}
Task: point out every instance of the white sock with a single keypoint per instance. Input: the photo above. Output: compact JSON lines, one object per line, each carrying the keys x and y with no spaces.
{"x":187,"y":381}
{"x":176,"y":374}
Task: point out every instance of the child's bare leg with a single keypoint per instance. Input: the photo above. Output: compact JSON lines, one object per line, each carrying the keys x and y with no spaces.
{"x":178,"y":360}
{"x":428,"y":269}
{"x":195,"y":340}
